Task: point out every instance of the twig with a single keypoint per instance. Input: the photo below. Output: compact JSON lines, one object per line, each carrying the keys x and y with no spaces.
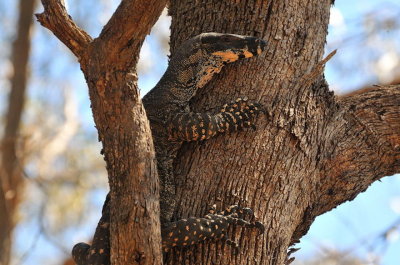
{"x":309,"y":78}
{"x":57,"y":20}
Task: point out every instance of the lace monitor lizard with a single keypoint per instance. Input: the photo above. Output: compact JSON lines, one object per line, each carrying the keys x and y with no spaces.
{"x":167,"y":107}
{"x":167,"y":104}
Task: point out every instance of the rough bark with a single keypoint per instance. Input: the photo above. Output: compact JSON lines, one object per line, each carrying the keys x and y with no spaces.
{"x":307,"y":157}
{"x":108,"y":63}
{"x":10,"y":174}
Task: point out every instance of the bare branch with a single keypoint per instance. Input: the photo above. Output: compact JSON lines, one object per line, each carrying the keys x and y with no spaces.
{"x":57,"y":20}
{"x":363,"y":142}
{"x":128,"y":27}
{"x":378,"y":110}
{"x":318,"y":69}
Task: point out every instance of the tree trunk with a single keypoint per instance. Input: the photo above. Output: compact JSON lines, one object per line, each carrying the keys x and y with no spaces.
{"x":306,"y":157}
{"x":10,"y":171}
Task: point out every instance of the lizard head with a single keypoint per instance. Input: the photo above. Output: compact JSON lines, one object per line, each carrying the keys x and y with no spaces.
{"x":199,"y":58}
{"x":230,"y":47}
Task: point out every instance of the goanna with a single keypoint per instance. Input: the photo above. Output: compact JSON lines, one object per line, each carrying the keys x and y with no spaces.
{"x":167,"y":104}
{"x":172,"y":123}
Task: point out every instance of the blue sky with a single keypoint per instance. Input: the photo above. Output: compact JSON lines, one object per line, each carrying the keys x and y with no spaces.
{"x":343,"y":228}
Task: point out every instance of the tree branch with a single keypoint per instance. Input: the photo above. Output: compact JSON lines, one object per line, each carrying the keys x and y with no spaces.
{"x":363,"y":142}
{"x":108,"y":65}
{"x":57,"y":20}
{"x":123,"y":31}
{"x":378,"y":110}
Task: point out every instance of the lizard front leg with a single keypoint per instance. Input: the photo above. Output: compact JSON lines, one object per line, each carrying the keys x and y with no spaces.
{"x":202,"y":126}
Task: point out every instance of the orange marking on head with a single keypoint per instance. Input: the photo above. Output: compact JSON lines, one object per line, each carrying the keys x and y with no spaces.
{"x":227,"y":55}
{"x":248,"y":54}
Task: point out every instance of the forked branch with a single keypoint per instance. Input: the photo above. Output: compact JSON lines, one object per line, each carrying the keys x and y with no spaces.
{"x":124,"y":33}
{"x":57,"y":20}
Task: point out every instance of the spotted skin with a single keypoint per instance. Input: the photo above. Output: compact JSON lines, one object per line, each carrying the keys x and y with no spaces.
{"x":180,"y":234}
{"x":80,"y":253}
{"x":192,"y":65}
{"x":202,"y":126}
{"x":214,"y":226}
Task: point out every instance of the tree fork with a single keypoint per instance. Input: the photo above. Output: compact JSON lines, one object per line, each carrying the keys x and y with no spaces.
{"x":108,"y":63}
{"x":289,"y":171}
